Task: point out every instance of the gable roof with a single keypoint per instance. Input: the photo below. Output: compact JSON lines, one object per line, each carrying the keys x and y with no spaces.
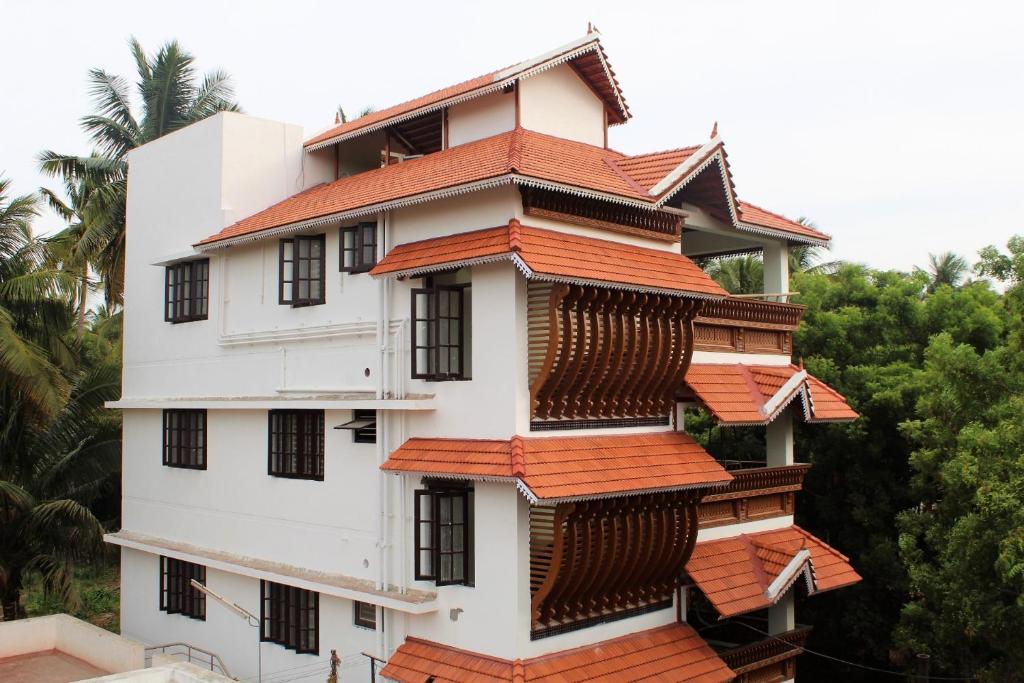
{"x":756,"y":217}
{"x":555,"y":257}
{"x":738,"y":394}
{"x":667,"y":653}
{"x":749,"y":572}
{"x":586,"y":55}
{"x":553,"y":469}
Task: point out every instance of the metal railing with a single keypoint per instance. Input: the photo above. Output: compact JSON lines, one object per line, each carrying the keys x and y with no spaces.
{"x":191,"y":654}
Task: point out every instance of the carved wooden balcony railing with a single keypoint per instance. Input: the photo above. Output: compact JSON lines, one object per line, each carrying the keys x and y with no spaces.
{"x":598,"y":353}
{"x":767,"y":660}
{"x":592,"y":560}
{"x":747,"y":326}
{"x":567,"y":208}
{"x":756,"y":493}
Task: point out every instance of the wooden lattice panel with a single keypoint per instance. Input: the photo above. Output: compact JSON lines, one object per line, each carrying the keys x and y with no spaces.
{"x":608,"y":353}
{"x":595,"y":558}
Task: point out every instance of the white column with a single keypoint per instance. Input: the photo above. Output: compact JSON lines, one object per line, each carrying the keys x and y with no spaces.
{"x":782,"y":615}
{"x":779,"y":440}
{"x":776,"y":268}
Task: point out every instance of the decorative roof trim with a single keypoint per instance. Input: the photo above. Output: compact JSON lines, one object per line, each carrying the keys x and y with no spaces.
{"x":607,"y":284}
{"x":626,"y":494}
{"x":790,"y":573}
{"x":693,"y":163}
{"x":502,"y":79}
{"x":379,"y":207}
{"x":790,"y":236}
{"x":785,"y":393}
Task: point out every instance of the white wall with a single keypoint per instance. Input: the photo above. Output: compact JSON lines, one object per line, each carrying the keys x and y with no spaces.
{"x":558,"y":102}
{"x":481,"y":118}
{"x":229,"y":636}
{"x":236,"y":507}
{"x":92,"y":644}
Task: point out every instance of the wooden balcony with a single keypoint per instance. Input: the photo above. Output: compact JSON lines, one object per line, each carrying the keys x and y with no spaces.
{"x":769,"y":660}
{"x":741,"y":325}
{"x":754,"y":493}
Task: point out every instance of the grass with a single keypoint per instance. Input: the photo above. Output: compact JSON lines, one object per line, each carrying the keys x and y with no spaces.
{"x":99,"y":597}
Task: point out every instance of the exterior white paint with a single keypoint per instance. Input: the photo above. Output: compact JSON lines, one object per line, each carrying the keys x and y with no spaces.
{"x":92,"y":644}
{"x":254,"y":354}
{"x":559,"y":103}
{"x":757,"y":526}
{"x":481,"y":117}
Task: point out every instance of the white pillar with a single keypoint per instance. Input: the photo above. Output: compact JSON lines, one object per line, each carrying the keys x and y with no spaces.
{"x":776,"y":268}
{"x":779,"y":440}
{"x":782,"y":615}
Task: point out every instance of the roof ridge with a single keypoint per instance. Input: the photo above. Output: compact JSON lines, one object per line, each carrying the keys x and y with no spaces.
{"x":515,"y":149}
{"x":685,"y":148}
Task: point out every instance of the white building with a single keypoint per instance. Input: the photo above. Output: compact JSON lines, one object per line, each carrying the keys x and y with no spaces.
{"x":415,"y":386}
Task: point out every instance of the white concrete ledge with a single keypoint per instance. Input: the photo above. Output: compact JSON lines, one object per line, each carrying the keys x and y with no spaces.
{"x":328,"y":583}
{"x":349,"y":401}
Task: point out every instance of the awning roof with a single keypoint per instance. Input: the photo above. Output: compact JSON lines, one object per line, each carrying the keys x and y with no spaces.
{"x":586,"y":55}
{"x":670,"y":653}
{"x":555,"y":257}
{"x":738,"y":394}
{"x":552,"y":469}
{"x":519,"y":156}
{"x":753,"y":571}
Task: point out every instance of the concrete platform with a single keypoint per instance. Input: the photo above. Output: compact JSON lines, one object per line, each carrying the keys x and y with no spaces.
{"x":51,"y":666}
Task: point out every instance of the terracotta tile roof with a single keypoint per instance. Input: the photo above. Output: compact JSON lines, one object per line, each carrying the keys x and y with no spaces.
{"x":553,"y":255}
{"x":561,"y":468}
{"x":668,"y":653}
{"x":590,"y":61}
{"x":648,"y":169}
{"x":734,"y":573}
{"x":755,"y":215}
{"x":737,"y":394}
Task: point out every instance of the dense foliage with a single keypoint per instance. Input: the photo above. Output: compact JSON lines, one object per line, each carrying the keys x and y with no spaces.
{"x":926,"y":491}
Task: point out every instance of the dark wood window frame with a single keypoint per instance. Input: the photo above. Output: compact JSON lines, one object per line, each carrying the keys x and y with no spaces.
{"x":357,"y":247}
{"x":187,"y":291}
{"x":444,"y":349}
{"x":184,"y":439}
{"x":290,"y":617}
{"x":443,"y":534}
{"x":177,"y":596}
{"x":360,"y":618}
{"x":295,"y":444}
{"x":292,"y":281}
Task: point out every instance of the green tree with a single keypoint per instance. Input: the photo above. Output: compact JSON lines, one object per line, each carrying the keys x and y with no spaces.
{"x":33,"y":310}
{"x":171,"y":98}
{"x":947,"y":268}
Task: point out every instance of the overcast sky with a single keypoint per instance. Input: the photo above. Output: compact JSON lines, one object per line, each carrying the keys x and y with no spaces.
{"x":898,"y":127}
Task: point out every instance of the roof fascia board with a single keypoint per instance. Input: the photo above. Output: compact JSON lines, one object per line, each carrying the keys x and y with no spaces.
{"x":785,"y":393}
{"x":788,"y":575}
{"x":693,"y":163}
{"x":520,"y":71}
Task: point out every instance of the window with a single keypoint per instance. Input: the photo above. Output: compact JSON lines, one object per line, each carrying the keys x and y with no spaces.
{"x":439,"y":330}
{"x":302,"y":271}
{"x":185,"y":439}
{"x":358,"y":248}
{"x":291,"y":617}
{"x":443,"y":531}
{"x":296,"y":444}
{"x":177,"y":596}
{"x":364,"y":614}
{"x":187,"y":291}
{"x":363,"y":425}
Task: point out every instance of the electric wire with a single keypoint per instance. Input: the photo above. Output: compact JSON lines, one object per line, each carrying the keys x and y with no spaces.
{"x":865,"y":667}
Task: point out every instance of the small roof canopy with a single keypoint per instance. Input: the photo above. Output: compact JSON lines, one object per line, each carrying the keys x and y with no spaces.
{"x":738,"y":394}
{"x":558,"y":469}
{"x":555,"y":256}
{"x":672,"y":653}
{"x":750,"y":572}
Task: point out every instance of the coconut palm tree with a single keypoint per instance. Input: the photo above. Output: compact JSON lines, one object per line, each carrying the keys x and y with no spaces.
{"x":738,"y":274}
{"x":171,"y":99}
{"x":50,"y":472}
{"x":33,"y":311}
{"x":946,"y":268}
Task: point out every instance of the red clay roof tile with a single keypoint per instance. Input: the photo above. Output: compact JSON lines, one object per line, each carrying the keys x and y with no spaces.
{"x":755,"y":215}
{"x":554,"y":255}
{"x":736,"y":393}
{"x":559,"y":468}
{"x":668,"y":653}
{"x":734,"y":573}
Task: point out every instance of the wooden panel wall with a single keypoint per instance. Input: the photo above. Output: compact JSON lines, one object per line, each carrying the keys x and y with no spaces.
{"x":608,"y":353}
{"x":593,"y":559}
